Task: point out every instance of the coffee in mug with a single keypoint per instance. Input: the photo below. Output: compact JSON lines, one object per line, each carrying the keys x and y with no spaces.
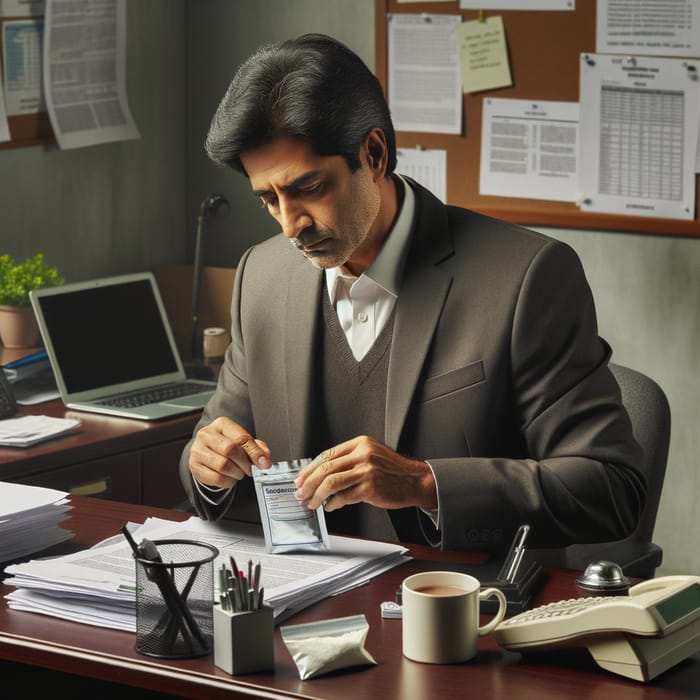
{"x":440,"y":619}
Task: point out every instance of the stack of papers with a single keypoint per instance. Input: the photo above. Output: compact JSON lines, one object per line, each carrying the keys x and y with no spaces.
{"x":97,"y":586}
{"x":29,"y":519}
{"x":29,"y":430}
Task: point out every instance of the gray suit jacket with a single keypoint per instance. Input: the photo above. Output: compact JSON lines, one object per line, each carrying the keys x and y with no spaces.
{"x":497,"y":377}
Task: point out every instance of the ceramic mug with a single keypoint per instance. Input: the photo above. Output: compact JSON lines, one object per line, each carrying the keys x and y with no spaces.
{"x":440,"y":618}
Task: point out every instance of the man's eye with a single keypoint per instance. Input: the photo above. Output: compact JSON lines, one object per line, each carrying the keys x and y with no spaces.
{"x":268,"y":200}
{"x":310,"y":190}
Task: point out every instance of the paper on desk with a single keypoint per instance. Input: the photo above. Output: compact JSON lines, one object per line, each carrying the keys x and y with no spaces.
{"x":96,"y":586}
{"x":29,"y":430}
{"x":29,"y":519}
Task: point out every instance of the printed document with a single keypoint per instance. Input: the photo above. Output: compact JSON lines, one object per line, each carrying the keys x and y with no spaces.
{"x":425,"y":87}
{"x":639,"y":120}
{"x":97,"y":586}
{"x":529,"y":149}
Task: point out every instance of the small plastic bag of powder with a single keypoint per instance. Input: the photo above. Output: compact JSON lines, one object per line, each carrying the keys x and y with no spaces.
{"x":328,"y":645}
{"x":288,"y":524}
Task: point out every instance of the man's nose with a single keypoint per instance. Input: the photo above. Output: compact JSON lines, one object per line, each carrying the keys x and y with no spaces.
{"x":293,"y":219}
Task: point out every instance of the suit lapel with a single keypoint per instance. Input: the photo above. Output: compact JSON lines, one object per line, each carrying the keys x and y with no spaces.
{"x":418,"y":308}
{"x":421,"y":298}
{"x":301,"y":313}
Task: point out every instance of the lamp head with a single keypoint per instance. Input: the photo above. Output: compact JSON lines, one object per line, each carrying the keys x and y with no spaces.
{"x":215,"y":206}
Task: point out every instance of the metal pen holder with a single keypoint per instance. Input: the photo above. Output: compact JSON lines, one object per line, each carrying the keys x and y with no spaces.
{"x":175,"y":600}
{"x":244,"y":640}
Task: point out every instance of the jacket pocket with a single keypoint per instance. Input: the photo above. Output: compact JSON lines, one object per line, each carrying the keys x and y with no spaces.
{"x":456,"y":379}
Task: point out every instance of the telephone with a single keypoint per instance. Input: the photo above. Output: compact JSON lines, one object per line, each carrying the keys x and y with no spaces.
{"x":638,"y":635}
{"x":8,"y":406}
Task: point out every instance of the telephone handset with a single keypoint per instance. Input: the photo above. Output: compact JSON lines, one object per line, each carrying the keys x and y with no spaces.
{"x":8,"y":406}
{"x":638,"y":636}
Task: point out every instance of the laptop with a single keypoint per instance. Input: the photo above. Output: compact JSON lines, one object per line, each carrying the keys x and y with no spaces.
{"x":112,"y":349}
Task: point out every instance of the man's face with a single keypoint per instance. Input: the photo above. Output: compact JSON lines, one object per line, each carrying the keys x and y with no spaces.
{"x":327,"y":212}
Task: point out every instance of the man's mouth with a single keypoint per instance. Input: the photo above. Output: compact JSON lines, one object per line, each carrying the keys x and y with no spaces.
{"x":308,"y":246}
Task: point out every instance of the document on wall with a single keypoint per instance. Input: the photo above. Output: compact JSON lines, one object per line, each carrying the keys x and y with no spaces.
{"x":85,"y":72}
{"x":518,"y":4}
{"x":21,"y":48}
{"x":21,"y":8}
{"x":639,"y":121}
{"x":529,"y":149}
{"x":425,"y":88}
{"x":97,"y":586}
{"x":427,"y":166}
{"x":649,"y":28}
{"x":4,"y":125}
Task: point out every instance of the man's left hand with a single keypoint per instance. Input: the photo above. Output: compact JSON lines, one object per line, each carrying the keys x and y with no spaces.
{"x":363,"y":469}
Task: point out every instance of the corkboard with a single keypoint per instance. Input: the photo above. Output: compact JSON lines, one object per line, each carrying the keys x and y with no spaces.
{"x":544,"y":49}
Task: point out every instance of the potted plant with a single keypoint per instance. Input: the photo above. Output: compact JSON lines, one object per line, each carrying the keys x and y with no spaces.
{"x":18,"y":327}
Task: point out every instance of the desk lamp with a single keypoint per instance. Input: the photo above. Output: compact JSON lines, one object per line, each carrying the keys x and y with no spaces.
{"x":213,"y":206}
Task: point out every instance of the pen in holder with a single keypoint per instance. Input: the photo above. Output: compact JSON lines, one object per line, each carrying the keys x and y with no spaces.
{"x":174,"y":597}
{"x":243,"y":625}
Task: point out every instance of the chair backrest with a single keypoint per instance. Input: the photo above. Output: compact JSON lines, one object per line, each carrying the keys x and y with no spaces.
{"x":650,"y":413}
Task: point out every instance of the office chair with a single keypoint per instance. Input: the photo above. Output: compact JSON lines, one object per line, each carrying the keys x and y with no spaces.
{"x":650,"y":414}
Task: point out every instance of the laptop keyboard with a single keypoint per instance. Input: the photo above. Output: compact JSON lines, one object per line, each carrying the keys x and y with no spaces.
{"x":166,"y":392}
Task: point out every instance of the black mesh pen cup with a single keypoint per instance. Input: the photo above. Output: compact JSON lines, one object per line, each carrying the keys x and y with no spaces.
{"x":174,"y":600}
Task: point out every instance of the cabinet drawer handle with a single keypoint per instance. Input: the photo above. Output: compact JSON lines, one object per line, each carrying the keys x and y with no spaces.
{"x":99,"y":487}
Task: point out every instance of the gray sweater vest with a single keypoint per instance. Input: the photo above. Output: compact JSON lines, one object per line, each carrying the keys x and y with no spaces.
{"x":351,"y":396}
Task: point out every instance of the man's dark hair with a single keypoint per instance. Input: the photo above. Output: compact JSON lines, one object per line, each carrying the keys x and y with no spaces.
{"x":314,"y":88}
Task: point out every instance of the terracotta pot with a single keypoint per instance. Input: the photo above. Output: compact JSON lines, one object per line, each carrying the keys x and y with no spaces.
{"x":18,"y":327}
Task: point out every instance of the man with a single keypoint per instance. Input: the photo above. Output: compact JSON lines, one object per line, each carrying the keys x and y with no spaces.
{"x":443,"y":368}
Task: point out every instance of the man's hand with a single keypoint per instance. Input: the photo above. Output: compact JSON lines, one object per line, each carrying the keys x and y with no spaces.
{"x":222,"y":454}
{"x":363,"y":469}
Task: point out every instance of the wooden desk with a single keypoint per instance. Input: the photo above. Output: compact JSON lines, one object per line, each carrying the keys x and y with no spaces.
{"x":32,"y":640}
{"x":120,"y":458}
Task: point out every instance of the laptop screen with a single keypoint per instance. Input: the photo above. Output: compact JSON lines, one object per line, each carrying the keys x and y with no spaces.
{"x":107,"y":333}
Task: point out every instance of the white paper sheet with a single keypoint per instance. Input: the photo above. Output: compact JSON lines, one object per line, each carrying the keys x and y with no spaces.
{"x":425,"y":87}
{"x":21,"y":8}
{"x":85,"y":75}
{"x":529,"y":149}
{"x":518,"y":4}
{"x":649,"y":28}
{"x":639,"y":121}
{"x":22,"y":41}
{"x":30,"y":518}
{"x":97,"y":586}
{"x":4,"y":126}
{"x":427,"y":166}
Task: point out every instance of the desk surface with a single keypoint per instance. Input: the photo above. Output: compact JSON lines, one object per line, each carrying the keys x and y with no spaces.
{"x":109,"y":655}
{"x":97,"y":436}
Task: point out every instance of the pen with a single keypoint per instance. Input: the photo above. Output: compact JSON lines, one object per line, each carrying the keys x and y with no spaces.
{"x":181,"y":614}
{"x":515,"y":555}
{"x":27,"y":359}
{"x":239,"y":593}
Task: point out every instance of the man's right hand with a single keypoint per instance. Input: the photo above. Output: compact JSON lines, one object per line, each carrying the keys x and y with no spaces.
{"x":223,"y":452}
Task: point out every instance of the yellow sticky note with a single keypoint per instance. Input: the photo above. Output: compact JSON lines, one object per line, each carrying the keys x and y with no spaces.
{"x":483,"y":55}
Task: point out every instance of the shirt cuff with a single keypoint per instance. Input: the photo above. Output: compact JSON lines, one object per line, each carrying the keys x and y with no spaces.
{"x":214,"y":495}
{"x":433,"y":513}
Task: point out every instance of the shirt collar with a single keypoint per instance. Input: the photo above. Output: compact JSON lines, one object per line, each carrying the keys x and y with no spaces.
{"x":385,"y":270}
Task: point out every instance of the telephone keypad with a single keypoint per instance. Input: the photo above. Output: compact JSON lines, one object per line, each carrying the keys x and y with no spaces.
{"x":558,"y":609}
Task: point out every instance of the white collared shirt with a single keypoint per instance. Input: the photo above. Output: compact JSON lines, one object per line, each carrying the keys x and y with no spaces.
{"x":364,"y":304}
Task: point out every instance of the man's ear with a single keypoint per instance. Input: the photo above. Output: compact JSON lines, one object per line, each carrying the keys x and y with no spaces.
{"x":375,"y":152}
